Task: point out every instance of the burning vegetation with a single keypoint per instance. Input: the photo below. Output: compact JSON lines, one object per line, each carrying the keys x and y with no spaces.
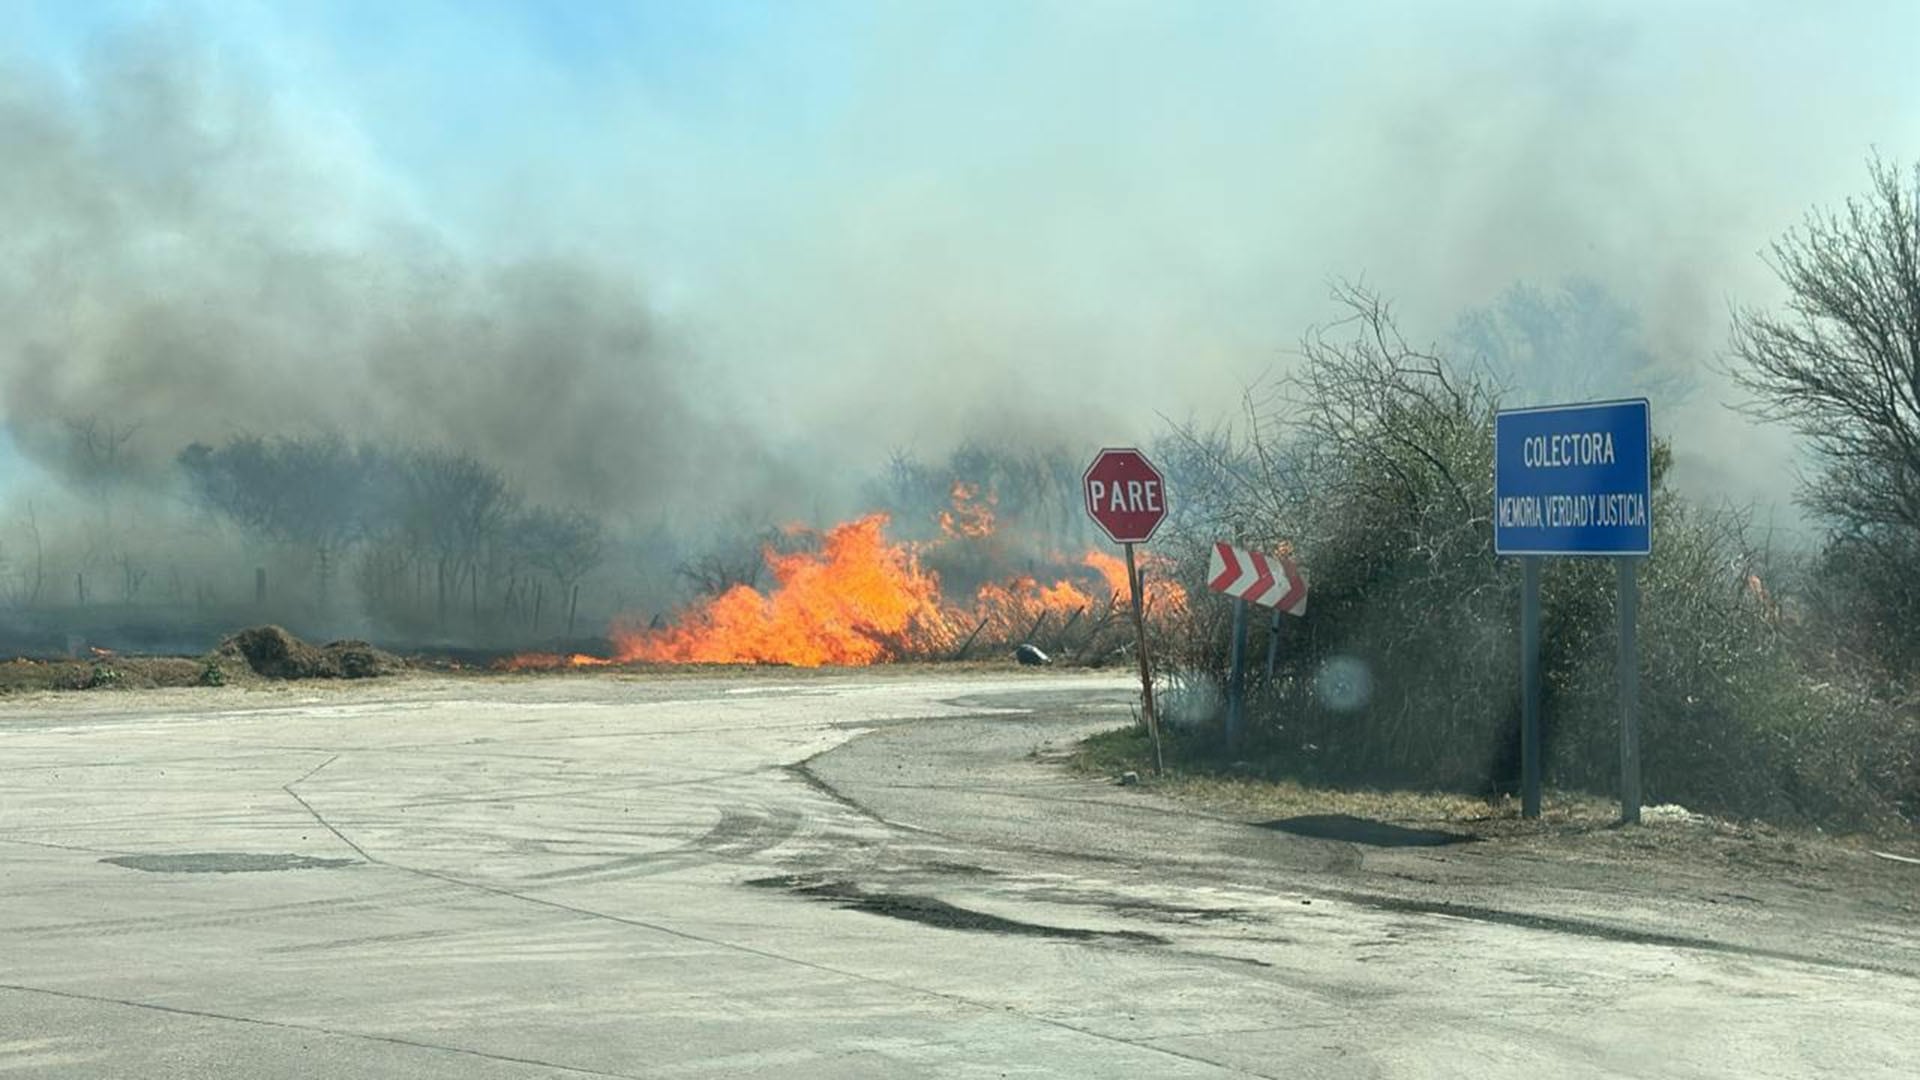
{"x":852,"y":595}
{"x":857,"y":600}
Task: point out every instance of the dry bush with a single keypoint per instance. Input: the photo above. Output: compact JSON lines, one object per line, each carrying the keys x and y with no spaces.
{"x":1374,"y":465}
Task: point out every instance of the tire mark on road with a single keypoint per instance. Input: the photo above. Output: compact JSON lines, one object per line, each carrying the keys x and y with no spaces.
{"x":829,"y":969}
{"x":1384,"y":902}
{"x":768,"y":954}
{"x":734,"y":837}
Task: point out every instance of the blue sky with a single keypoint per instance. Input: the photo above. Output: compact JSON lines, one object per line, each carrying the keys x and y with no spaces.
{"x":943,"y":218}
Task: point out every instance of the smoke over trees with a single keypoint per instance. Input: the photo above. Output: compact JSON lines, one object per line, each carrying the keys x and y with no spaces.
{"x":432,"y":540}
{"x":1841,"y":365}
{"x":187,"y":257}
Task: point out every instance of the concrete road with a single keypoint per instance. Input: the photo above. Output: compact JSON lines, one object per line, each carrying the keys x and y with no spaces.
{"x":807,"y":878}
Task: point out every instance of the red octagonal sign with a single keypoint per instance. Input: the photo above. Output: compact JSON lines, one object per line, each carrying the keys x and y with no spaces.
{"x":1126,"y":496}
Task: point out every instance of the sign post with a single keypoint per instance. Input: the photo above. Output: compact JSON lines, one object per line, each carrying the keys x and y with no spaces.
{"x":1237,"y":674}
{"x":1136,"y":585}
{"x":1530,"y":686}
{"x":1629,"y":694}
{"x":1127,"y":497}
{"x":1575,"y":480}
{"x":1252,"y":577}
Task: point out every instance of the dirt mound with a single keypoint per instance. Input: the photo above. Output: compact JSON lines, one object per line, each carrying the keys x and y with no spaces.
{"x":21,"y":675}
{"x":276,"y":654}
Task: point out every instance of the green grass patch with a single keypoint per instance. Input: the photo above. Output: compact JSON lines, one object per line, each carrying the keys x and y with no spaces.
{"x":1196,"y":773}
{"x":1113,"y":752}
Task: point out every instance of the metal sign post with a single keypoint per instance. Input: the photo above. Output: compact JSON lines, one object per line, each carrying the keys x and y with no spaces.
{"x":1530,"y":686}
{"x":1252,"y":577}
{"x":1127,"y":497}
{"x":1135,"y":585}
{"x":1237,"y":675}
{"x":1575,"y":480}
{"x":1629,"y":693}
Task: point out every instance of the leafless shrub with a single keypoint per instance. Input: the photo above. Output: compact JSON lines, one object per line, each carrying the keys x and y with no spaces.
{"x":1373,"y":465}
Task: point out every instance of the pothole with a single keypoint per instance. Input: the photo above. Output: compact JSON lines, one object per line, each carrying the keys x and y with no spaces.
{"x":223,"y":862}
{"x":931,"y":912}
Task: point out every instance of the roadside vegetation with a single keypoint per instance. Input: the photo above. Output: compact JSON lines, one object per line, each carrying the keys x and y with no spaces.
{"x":253,"y":654}
{"x":1773,"y":685}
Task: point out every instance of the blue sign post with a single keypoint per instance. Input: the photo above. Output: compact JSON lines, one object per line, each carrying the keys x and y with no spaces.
{"x":1575,"y":480}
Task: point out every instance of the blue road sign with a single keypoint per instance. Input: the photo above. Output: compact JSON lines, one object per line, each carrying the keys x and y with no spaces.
{"x":1573,"y":480}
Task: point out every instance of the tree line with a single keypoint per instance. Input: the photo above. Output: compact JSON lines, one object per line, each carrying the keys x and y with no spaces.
{"x":422,"y":538}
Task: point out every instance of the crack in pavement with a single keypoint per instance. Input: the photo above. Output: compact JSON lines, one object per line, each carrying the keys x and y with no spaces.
{"x":317,"y":1029}
{"x":768,"y":954}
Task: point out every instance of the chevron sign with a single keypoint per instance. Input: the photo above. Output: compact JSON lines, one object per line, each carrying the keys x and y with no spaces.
{"x":1261,"y":579}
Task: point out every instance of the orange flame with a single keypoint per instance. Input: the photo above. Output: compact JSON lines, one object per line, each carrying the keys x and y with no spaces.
{"x":548,"y":661}
{"x":970,"y":517}
{"x":1114,"y":570}
{"x":1164,"y":596}
{"x":856,"y":598}
{"x":856,"y":601}
{"x":1015,"y":608}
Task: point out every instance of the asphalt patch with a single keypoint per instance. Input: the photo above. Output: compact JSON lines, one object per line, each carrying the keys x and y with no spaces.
{"x":929,"y":911}
{"x":223,"y":862}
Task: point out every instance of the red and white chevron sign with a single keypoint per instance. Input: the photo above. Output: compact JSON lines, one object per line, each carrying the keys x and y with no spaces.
{"x":1260,"y":579}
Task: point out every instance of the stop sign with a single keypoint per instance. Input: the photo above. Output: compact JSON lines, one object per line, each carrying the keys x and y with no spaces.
{"x":1126,"y":496}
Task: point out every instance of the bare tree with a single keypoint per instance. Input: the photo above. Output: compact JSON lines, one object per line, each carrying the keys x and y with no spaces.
{"x":735,"y":554}
{"x":97,"y":450}
{"x":312,"y":493}
{"x":566,"y":544}
{"x":457,"y":506}
{"x":1842,"y":364}
{"x":39,"y":558}
{"x":1571,"y":341}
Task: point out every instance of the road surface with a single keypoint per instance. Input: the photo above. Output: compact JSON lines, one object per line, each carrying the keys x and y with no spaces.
{"x":816,"y":877}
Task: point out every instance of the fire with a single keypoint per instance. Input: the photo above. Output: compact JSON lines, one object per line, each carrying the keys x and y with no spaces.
{"x":548,"y":661}
{"x":851,"y":596}
{"x":858,"y":600}
{"x":1113,"y":569}
{"x":1164,"y":596}
{"x":1016,"y":609}
{"x":970,"y":517}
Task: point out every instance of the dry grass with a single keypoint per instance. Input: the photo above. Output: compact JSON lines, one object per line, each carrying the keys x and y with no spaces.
{"x":1575,"y":827}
